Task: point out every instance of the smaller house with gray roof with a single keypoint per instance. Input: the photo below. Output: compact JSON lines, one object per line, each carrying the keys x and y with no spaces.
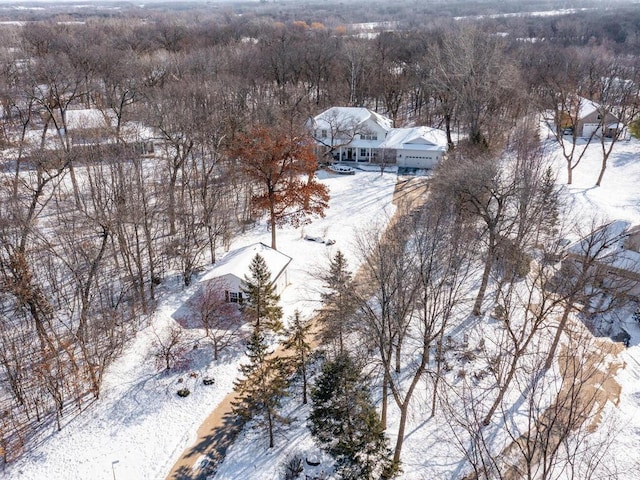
{"x":231,"y":270}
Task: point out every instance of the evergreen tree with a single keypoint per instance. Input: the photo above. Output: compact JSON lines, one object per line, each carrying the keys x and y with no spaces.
{"x":263,"y":386}
{"x":337,"y":302}
{"x":298,"y":341}
{"x":261,"y":302}
{"x":344,"y":421}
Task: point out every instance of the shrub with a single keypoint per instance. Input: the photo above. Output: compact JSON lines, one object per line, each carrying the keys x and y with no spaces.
{"x":292,"y":467}
{"x":208,"y":380}
{"x":634,"y":129}
{"x":184,"y":392}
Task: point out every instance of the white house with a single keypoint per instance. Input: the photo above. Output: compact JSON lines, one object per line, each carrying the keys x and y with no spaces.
{"x":91,"y":126}
{"x":232,"y":269}
{"x":358,"y":134}
{"x":349,"y":133}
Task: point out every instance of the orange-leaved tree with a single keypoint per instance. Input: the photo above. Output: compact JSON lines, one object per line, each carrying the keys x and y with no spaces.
{"x":282,"y":164}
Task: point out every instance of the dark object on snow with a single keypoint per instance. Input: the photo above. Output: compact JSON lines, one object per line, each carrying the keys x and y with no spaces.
{"x":208,"y":380}
{"x":315,"y":238}
{"x":342,"y":169}
{"x":623,"y":337}
{"x":184,"y":392}
{"x":313,"y":460}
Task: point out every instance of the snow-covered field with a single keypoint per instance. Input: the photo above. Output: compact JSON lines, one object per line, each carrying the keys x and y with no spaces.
{"x":139,"y":427}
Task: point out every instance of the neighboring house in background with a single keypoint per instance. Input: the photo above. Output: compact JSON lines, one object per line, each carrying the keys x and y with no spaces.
{"x":590,"y":119}
{"x":357,"y":134}
{"x":616,"y":247}
{"x":92,"y":126}
{"x":89,"y":125}
{"x":232,"y":269}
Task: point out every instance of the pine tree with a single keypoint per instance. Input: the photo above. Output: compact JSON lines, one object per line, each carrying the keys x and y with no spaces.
{"x":263,"y":386}
{"x":344,"y":421}
{"x":298,"y":340}
{"x":337,"y":303}
{"x":261,"y":302}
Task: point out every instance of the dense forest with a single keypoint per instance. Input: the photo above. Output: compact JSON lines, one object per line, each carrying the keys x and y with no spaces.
{"x":96,"y":213}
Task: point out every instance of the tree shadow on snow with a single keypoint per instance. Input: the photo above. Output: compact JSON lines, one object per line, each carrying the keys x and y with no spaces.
{"x":213,"y":447}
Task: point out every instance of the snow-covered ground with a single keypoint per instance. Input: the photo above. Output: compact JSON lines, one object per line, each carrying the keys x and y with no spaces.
{"x":429,"y":452}
{"x":139,"y":427}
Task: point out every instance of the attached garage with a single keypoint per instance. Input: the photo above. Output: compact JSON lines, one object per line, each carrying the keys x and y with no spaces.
{"x":419,"y":159}
{"x":590,"y":129}
{"x":416,"y":147}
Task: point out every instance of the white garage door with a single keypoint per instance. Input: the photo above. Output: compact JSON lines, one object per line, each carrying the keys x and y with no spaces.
{"x":589,"y":128}
{"x":418,"y":160}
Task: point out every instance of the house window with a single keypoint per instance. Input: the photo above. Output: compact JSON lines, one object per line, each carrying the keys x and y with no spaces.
{"x":373,"y":136}
{"x":233,"y":297}
{"x":323,"y":134}
{"x":363,"y":152}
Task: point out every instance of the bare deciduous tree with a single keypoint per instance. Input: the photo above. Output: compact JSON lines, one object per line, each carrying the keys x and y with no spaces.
{"x":220,"y":319}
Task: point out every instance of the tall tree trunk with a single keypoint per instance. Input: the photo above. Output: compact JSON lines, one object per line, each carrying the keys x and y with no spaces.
{"x":603,"y":167}
{"x":503,"y":387}
{"x":272,"y":222}
{"x":556,"y":338}
{"x":270,"y":422}
{"x":477,"y":306}
{"x":384,"y":400}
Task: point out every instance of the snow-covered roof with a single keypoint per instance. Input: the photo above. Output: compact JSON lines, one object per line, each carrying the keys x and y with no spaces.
{"x":136,"y":131}
{"x":587,"y":107}
{"x":237,"y":263}
{"x":87,"y":118}
{"x":349,"y":116}
{"x":617,"y":245}
{"x":415,"y":138}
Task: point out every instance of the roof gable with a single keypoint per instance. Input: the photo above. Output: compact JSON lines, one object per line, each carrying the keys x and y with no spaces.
{"x":614,"y":245}
{"x":86,"y":118}
{"x":415,"y":137}
{"x":237,"y":262}
{"x":350,"y":117}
